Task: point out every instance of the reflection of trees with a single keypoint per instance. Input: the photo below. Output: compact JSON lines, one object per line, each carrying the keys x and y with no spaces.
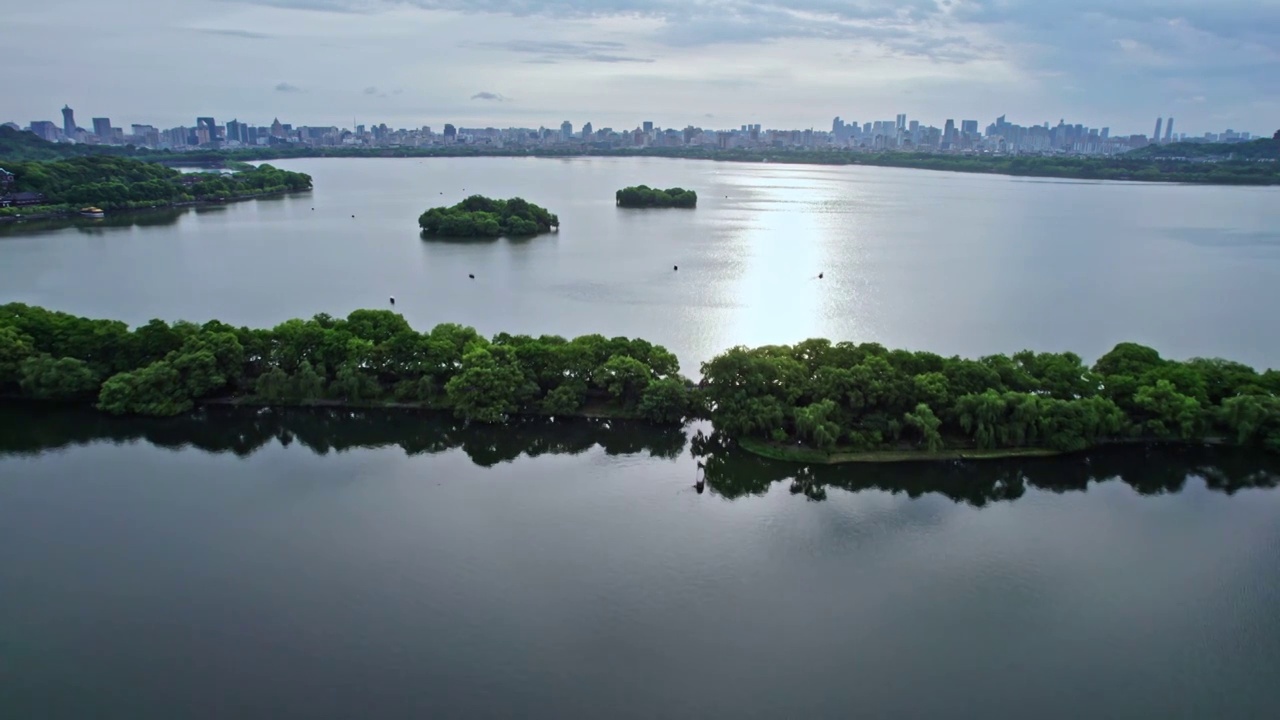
{"x":37,"y":428}
{"x":120,"y":219}
{"x":733,"y":473}
{"x":727,"y":470}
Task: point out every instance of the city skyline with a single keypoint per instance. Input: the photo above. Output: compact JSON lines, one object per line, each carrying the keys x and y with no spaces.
{"x":509,"y":63}
{"x":206,"y":128}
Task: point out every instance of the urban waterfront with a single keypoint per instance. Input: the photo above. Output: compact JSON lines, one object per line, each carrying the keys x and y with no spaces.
{"x":338,"y":564}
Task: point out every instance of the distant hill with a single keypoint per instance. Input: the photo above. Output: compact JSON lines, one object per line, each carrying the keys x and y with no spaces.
{"x":20,"y":145}
{"x":1264,"y":149}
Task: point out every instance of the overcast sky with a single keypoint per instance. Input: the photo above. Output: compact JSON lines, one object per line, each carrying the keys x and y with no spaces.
{"x":712,"y":63}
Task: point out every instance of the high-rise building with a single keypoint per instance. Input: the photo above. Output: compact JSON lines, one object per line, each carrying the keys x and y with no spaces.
{"x":566,"y":131}
{"x":209,"y":127}
{"x":969,"y":128}
{"x":450,"y":133}
{"x":1159,"y":124}
{"x":586,"y":131}
{"x":949,"y":131}
{"x":648,"y":127}
{"x":45,"y":129}
{"x":902,"y":121}
{"x":68,"y":122}
{"x":1106,"y":133}
{"x":102,"y":128}
{"x":1168,"y":131}
{"x":237,"y":131}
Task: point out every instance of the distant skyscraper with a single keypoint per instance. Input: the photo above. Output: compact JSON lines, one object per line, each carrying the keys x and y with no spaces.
{"x":1159,"y":124}
{"x":206,"y":128}
{"x":969,"y":128}
{"x":45,"y":129}
{"x":949,"y":131}
{"x":586,"y":131}
{"x":1168,"y":131}
{"x":648,"y":126}
{"x":68,"y":122}
{"x":902,"y":121}
{"x":102,"y":128}
{"x":566,"y":130}
{"x":450,"y":132}
{"x":1106,"y":133}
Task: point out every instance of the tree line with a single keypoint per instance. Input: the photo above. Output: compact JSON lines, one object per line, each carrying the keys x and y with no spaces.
{"x":847,"y":397}
{"x":371,"y":357}
{"x":815,"y":396}
{"x":111,"y":182}
{"x":479,"y":216}
{"x":643,"y":196}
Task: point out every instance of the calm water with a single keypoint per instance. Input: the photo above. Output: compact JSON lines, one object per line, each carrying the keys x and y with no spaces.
{"x":952,"y":263}
{"x":338,"y":565}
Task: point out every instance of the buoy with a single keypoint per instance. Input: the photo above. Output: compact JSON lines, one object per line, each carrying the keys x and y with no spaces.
{"x":393,"y":299}
{"x":473,"y":277}
{"x":675,"y":267}
{"x":819,"y":276}
{"x":313,"y":208}
{"x":353,"y":216}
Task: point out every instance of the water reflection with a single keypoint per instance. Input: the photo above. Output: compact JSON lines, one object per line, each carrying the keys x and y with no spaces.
{"x":734,"y":473}
{"x":26,"y":429}
{"x":719,"y":467}
{"x":89,"y":226}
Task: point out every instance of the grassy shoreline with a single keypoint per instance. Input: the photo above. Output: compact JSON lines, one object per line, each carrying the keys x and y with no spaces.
{"x":69,"y":213}
{"x":812,"y":456}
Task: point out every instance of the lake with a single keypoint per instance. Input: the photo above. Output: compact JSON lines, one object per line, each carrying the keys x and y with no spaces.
{"x":953,"y":263}
{"x":339,"y":564}
{"x":363,"y":564}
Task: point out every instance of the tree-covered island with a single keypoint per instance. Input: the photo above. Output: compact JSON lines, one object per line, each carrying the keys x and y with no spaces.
{"x":479,"y":216}
{"x":119,"y":183}
{"x":815,"y":402}
{"x":643,"y":196}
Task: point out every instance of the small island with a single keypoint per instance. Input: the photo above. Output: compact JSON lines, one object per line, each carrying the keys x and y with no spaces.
{"x":483,"y":217}
{"x":643,"y":196}
{"x":66,"y":188}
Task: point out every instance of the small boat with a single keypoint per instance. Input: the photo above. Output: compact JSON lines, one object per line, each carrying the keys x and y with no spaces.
{"x":92,"y":212}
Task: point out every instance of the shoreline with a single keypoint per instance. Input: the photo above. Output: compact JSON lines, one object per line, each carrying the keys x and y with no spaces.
{"x":75,"y":214}
{"x":811,"y":456}
{"x":1127,"y":170}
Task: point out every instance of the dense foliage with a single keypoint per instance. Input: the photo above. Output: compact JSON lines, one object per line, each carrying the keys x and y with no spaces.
{"x":846,"y":397}
{"x":371,"y":357}
{"x":643,"y":196}
{"x":112,"y":182}
{"x":816,"y":395}
{"x":479,"y":216}
{"x":1261,"y":149}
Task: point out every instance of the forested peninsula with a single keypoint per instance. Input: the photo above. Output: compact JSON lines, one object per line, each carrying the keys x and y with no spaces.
{"x":643,"y":196}
{"x":41,"y":188}
{"x":815,"y":402}
{"x":483,"y":217}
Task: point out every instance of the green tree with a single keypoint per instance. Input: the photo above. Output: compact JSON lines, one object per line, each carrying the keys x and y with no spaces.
{"x":153,"y":390}
{"x":47,"y":378}
{"x":664,"y":401}
{"x":625,"y":379}
{"x":927,"y":424}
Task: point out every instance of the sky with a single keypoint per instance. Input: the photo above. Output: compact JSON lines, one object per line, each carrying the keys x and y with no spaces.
{"x":709,"y":63}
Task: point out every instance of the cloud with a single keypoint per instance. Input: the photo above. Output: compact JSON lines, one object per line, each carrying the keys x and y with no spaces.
{"x":552,"y":51}
{"x":247,"y":34}
{"x":285,"y":87}
{"x":489,"y":96}
{"x":371,"y":90}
